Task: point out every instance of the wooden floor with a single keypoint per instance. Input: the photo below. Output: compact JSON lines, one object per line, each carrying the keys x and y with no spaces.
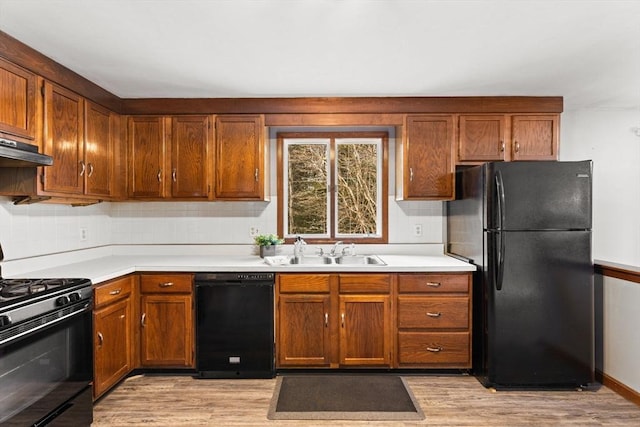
{"x":446,"y":401}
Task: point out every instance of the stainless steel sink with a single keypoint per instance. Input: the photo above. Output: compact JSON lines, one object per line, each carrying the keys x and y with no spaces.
{"x":360,"y":260}
{"x":312,"y":260}
{"x":333,"y":260}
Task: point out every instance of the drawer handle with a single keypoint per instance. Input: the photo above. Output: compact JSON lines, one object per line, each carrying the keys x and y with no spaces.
{"x":430,"y":314}
{"x":100,"y":339}
{"x":434,"y":284}
{"x":434,"y":349}
{"x":166,"y":284}
{"x":115,"y":292}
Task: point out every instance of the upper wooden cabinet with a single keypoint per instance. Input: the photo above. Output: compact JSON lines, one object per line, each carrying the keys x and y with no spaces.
{"x":169,"y":157}
{"x":191,"y":165}
{"x":18,"y":102}
{"x":535,"y":137}
{"x":483,"y":138}
{"x":63,"y":140}
{"x":241,"y":159}
{"x":424,"y":160}
{"x":146,"y":137}
{"x":99,"y":150}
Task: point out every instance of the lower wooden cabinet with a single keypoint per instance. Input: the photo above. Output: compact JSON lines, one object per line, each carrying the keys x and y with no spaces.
{"x":112,"y":324}
{"x":333,"y":320}
{"x":405,"y":320}
{"x":434,"y":320}
{"x":166,"y":323}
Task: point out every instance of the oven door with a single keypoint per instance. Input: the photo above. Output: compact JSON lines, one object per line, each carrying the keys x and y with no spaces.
{"x":45,"y":376}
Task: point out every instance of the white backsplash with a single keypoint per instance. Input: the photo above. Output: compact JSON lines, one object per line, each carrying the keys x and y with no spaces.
{"x":40,"y":229}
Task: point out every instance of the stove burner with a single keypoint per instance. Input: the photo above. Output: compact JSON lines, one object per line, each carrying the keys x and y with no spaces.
{"x":16,"y":288}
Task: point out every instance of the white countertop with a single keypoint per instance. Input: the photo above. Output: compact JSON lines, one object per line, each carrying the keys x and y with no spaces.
{"x":115,"y":263}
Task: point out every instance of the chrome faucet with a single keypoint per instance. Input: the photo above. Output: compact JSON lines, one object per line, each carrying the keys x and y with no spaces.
{"x":298,"y":247}
{"x":335,"y":248}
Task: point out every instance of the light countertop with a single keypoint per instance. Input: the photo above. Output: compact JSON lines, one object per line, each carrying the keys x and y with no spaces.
{"x":112,"y":264}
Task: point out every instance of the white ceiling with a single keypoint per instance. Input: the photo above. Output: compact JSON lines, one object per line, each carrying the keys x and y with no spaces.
{"x":587,"y":51}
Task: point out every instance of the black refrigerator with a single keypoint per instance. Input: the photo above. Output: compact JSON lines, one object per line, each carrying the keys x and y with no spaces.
{"x":527,"y":228}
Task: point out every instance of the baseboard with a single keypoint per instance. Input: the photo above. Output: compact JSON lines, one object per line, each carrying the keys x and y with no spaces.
{"x":618,"y":387}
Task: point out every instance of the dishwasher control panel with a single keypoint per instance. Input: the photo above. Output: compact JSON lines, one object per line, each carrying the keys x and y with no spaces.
{"x":218,"y":277}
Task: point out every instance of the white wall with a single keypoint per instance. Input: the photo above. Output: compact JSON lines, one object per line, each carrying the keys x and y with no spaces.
{"x":608,"y":137}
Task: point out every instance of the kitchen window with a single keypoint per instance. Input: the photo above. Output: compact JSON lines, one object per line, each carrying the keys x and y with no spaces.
{"x":333,"y":186}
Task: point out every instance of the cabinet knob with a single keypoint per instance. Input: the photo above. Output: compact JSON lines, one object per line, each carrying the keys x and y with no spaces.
{"x":434,"y":349}
{"x":100,"y":339}
{"x":174,"y":175}
{"x":115,"y":292}
{"x":159,"y":175}
{"x":342,"y":318}
{"x":430,"y":314}
{"x":326,"y":320}
{"x":165,"y":284}
{"x":257,"y":174}
{"x":433,"y":284}
{"x":410,"y":174}
{"x":82,"y":168}
{"x":143,"y":319}
{"x":90,"y":169}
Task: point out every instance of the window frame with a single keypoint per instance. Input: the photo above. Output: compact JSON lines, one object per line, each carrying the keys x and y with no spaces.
{"x":383,"y":186}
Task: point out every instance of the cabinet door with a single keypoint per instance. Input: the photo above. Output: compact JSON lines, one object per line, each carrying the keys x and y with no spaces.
{"x":98,"y":149}
{"x":365,"y":330}
{"x":64,"y":140}
{"x":535,"y":137}
{"x":146,"y":137}
{"x":239,"y":163}
{"x":190,"y":157}
{"x":17,"y":101}
{"x":167,"y":330}
{"x":481,"y":138}
{"x":427,"y":159}
{"x":303,"y":330}
{"x":112,"y":345}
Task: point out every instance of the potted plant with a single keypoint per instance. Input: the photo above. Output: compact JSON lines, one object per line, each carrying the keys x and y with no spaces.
{"x":267,"y":244}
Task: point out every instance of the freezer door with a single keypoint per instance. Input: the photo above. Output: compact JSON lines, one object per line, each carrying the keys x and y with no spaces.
{"x":539,"y":320}
{"x":539,"y":195}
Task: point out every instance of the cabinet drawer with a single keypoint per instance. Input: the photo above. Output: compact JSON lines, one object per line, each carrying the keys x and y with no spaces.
{"x":365,"y":283}
{"x":433,"y":312}
{"x":303,"y":283}
{"x":112,"y":291}
{"x":166,"y":283}
{"x":428,"y":348}
{"x":433,"y":283}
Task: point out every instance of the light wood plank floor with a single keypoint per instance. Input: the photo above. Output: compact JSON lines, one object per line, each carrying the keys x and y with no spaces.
{"x":153,"y":400}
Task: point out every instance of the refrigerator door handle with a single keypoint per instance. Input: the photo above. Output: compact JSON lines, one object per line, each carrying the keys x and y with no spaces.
{"x":500,"y":260}
{"x":500,"y":197}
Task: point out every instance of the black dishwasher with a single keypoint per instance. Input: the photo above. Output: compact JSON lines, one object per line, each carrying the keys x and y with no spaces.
{"x":234,"y":325}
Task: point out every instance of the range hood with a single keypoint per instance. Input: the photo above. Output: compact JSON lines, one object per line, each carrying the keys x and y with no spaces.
{"x":15,"y":154}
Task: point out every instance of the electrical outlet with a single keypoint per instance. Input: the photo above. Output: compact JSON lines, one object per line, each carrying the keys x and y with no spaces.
{"x":83,"y":234}
{"x":417,"y":230}
{"x":253,"y":231}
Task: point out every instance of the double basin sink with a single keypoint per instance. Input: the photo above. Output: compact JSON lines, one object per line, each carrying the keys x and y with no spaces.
{"x":332,"y":260}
